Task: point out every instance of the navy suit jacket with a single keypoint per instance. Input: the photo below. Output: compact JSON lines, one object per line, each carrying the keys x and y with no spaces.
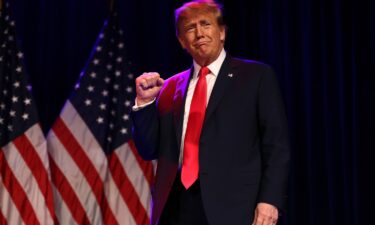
{"x":243,"y":149}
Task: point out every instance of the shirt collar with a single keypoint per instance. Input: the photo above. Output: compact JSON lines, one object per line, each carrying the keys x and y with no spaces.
{"x":214,"y":66}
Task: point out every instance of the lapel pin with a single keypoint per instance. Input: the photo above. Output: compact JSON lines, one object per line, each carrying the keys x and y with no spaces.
{"x":230,"y":75}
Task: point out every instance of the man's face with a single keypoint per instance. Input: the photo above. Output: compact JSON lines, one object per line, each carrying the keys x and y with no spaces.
{"x":202,"y":37}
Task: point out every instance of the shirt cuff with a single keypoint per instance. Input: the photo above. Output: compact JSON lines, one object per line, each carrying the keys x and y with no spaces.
{"x":139,"y":107}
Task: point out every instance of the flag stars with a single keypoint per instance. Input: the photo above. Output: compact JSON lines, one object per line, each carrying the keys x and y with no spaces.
{"x":127,"y":103}
{"x":100,"y":120}
{"x":27,"y":101}
{"x":99,"y":48}
{"x":14,"y":99}
{"x":16,"y":84}
{"x":2,"y":106}
{"x":103,"y":106}
{"x":20,"y":55}
{"x":124,"y":131}
{"x":1,"y":120}
{"x":111,"y":126}
{"x":101,"y":36}
{"x":90,"y":88}
{"x":105,"y":93}
{"x":129,"y":89}
{"x":125,"y":117}
{"x":96,"y":61}
{"x":114,"y":100}
{"x":109,"y":139}
{"x":12,"y":113}
{"x":119,"y":59}
{"x":117,"y":73}
{"x":88,"y":102}
{"x":120,"y":45}
{"x":10,"y":127}
{"x":107,"y":80}
{"x":19,"y":69}
{"x":113,"y":112}
{"x":116,"y":86}
{"x":109,"y":67}
{"x":93,"y":75}
{"x":130,"y":76}
{"x":25,"y":116}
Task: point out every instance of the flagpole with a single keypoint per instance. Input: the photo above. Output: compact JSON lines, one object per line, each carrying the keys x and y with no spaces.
{"x":111,"y":3}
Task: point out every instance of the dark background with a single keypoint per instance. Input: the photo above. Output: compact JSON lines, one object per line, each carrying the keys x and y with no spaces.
{"x":323,"y":52}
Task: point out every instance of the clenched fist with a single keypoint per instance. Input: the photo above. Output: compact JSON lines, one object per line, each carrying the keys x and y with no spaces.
{"x":148,"y":86}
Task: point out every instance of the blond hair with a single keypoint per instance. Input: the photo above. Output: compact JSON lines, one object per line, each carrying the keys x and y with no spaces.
{"x":198,"y":6}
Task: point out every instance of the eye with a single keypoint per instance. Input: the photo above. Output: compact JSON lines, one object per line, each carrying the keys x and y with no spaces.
{"x":189,"y":28}
{"x":206,"y":23}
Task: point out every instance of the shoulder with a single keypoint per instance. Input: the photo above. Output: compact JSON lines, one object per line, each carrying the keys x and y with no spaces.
{"x":253,"y":73}
{"x":171,"y":82}
{"x":248,"y":70}
{"x":252,"y":65}
{"x":168,"y":91}
{"x":177,"y":77}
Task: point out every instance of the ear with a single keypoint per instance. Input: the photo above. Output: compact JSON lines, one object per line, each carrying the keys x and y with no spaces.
{"x":182,"y":43}
{"x":222,"y":34}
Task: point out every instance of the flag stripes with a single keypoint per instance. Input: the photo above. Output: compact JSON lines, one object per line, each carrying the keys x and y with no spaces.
{"x":119,"y":183}
{"x":66,"y":197}
{"x":27,"y":181}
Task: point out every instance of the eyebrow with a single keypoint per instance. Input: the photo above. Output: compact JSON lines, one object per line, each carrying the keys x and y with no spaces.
{"x":198,"y":22}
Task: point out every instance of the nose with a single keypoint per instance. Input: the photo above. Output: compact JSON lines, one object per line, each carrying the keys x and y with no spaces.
{"x":200,"y":32}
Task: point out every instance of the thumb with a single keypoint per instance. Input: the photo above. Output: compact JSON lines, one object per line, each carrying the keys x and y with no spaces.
{"x":160,"y":82}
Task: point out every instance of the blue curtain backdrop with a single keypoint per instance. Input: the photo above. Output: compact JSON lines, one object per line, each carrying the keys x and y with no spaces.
{"x":322,"y":51}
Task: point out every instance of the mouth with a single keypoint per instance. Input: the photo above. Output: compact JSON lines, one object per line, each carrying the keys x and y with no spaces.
{"x":200,"y":44}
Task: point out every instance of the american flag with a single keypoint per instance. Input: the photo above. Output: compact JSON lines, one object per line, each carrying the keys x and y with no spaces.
{"x":97,"y":174}
{"x":26,"y":195}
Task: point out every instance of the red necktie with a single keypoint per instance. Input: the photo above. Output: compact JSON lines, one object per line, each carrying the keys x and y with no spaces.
{"x":190,"y":165}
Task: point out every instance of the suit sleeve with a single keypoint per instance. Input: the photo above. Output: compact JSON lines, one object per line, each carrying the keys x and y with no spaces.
{"x":274,"y":141}
{"x":145,"y":131}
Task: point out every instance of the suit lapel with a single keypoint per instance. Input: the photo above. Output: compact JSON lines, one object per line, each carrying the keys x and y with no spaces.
{"x":224,"y":80}
{"x":179,"y":102}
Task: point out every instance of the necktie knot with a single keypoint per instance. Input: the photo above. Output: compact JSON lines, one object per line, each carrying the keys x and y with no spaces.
{"x":203,"y":71}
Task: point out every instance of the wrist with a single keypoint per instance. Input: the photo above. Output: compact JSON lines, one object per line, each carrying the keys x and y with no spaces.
{"x":143,"y":101}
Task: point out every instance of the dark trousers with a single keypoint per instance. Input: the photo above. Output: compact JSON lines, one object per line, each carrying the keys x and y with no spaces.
{"x":184,"y":207}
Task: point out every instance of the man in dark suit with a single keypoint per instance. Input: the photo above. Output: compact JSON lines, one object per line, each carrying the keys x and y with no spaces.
{"x":218,"y":130}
